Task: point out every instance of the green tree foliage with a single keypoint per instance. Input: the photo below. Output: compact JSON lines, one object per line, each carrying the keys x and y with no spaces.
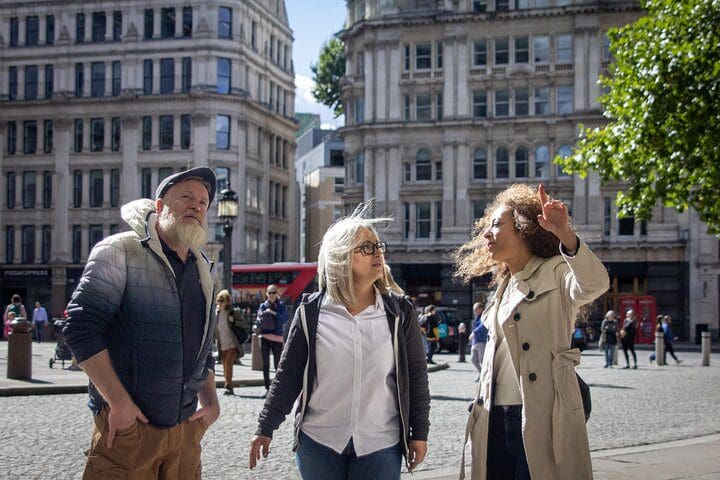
{"x":663,"y":106}
{"x":327,"y":73}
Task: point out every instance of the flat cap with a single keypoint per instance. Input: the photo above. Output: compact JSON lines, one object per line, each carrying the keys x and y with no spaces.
{"x":203,"y":174}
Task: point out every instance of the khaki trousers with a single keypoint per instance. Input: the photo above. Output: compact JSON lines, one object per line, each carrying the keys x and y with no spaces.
{"x":228,"y":360}
{"x":145,"y":452}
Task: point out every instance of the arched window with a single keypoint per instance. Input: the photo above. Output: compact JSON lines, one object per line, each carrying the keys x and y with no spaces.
{"x":542,"y":162}
{"x":502,"y":163}
{"x":564,"y":151}
{"x":423,"y":165}
{"x":479,"y":164}
{"x":521,"y":162}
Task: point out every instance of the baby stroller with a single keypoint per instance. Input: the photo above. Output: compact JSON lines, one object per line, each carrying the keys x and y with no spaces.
{"x":62,"y":352}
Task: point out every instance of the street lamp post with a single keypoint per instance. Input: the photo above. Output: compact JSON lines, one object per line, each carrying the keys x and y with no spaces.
{"x":227,"y":212}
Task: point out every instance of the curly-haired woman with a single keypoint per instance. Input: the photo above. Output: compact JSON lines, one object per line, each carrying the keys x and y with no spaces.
{"x":527,"y":420}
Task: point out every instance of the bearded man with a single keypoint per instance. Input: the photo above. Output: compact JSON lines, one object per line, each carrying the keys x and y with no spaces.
{"x":141,"y":324}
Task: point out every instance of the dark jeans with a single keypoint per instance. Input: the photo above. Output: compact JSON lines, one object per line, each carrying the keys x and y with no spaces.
{"x":631,"y":347}
{"x":265,"y":347}
{"x":316,"y":461}
{"x":39,"y":331}
{"x":669,"y":349}
{"x":432,"y":347}
{"x":506,"y":453}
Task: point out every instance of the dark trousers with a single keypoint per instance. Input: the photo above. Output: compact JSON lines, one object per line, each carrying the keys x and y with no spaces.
{"x":631,"y":348}
{"x":432,"y":347}
{"x":506,"y":452}
{"x":265,"y":347}
{"x":669,"y":349}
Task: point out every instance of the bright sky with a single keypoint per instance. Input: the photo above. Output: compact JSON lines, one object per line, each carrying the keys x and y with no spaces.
{"x":313,"y":22}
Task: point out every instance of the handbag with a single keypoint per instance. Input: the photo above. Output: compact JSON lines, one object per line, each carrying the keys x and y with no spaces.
{"x":585,"y":394}
{"x":603,"y":339}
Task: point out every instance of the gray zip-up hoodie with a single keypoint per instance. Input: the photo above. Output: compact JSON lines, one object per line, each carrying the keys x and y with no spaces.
{"x":127,"y":303}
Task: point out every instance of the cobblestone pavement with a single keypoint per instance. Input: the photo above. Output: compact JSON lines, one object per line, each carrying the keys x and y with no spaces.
{"x":45,"y":436}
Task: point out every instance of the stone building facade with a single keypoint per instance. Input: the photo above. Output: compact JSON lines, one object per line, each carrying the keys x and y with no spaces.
{"x":449,"y":102}
{"x":99,"y":101}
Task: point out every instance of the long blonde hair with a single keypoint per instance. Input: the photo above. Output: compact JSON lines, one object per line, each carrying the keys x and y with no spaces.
{"x":336,"y":253}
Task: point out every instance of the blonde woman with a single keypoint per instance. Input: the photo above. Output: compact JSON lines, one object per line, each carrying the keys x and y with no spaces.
{"x":230,"y":345}
{"x":355,"y":358}
{"x":527,"y":420}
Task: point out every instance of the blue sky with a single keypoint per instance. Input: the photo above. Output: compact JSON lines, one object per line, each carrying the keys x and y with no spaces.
{"x":313,"y":22}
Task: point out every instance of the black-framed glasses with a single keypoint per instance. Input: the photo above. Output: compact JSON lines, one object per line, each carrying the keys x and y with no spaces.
{"x":273,"y":292}
{"x":369,"y":248}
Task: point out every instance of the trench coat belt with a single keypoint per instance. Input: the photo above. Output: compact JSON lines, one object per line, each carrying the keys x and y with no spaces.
{"x":559,"y":421}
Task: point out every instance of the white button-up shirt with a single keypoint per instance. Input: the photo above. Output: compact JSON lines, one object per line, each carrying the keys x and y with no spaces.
{"x":354,"y":394}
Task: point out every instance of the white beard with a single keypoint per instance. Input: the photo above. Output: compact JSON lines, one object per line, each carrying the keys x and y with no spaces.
{"x":190,"y":235}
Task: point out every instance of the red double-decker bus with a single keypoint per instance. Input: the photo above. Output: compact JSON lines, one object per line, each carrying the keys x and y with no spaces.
{"x":291,"y":279}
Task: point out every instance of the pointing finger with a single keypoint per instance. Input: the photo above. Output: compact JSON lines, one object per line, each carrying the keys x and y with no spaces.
{"x":543,"y":195}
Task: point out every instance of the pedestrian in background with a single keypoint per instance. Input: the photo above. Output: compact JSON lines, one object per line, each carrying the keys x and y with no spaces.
{"x":479,"y":337}
{"x":669,"y":338}
{"x":608,"y":337}
{"x":462,"y":337}
{"x":18,"y":309}
{"x":627,"y":338}
{"x":579,"y":339}
{"x":355,"y":364}
{"x":271,"y":319}
{"x":527,"y":420}
{"x":39,"y":320}
{"x":229,"y":345}
{"x":141,"y":323}
{"x":430,"y":323}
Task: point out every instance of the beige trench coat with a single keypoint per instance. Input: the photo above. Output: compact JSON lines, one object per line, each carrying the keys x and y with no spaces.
{"x":538,"y":331}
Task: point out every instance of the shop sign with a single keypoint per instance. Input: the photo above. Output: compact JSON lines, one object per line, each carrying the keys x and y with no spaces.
{"x":26,"y":273}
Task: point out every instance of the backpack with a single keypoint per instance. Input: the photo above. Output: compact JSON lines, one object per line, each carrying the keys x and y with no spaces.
{"x":267,"y":322}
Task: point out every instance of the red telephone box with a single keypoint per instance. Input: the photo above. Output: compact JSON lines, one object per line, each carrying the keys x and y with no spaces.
{"x":646,"y":313}
{"x":625,"y":303}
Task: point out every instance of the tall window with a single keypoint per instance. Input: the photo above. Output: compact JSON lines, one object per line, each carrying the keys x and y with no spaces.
{"x":423,"y":58}
{"x":502,"y":163}
{"x":146,"y":182}
{"x":359,"y":110}
{"x":607,"y":217}
{"x":542,"y":101}
{"x":360,"y":168}
{"x":253,"y":35}
{"x":187,"y":22}
{"x":502,"y":50}
{"x":225,"y":22}
{"x":439,"y":106}
{"x":117,"y":25}
{"x":28,"y":244}
{"x":406,"y":57}
{"x":146,"y":133}
{"x":439,"y":55}
{"x":79,"y":79}
{"x":116,"y":78}
{"x":147,"y":77}
{"x":626,"y":225}
{"x":14,"y":31}
{"x":29,"y":192}
{"x":186,"y":81}
{"x":423,"y":107}
{"x":80,"y":27}
{"x":564,"y":99}
{"x":97,"y":86}
{"x":542,"y":162}
{"x":149,"y":30}
{"x":47,"y":136}
{"x":406,"y":220}
{"x":502,"y":103}
{"x":564,"y":151}
{"x":50,"y":30}
{"x":164,"y":172}
{"x":47,"y":189}
{"x":95,"y":234}
{"x":167,"y":75}
{"x":479,"y":6}
{"x":97,"y":186}
{"x":31,"y":82}
{"x":422,"y":220}
{"x":46,"y":243}
{"x":32,"y":34}
{"x":521,"y":101}
{"x":78,"y":137}
{"x":222,"y":132}
{"x":480,"y":164}
{"x":521,"y":162}
{"x":438,"y":219}
{"x":166,"y":132}
{"x":77,"y":188}
{"x":480,"y":53}
{"x":76,"y":243}
{"x":114,"y":187}
{"x":29,"y":137}
{"x":423,"y":165}
{"x":11,"y":138}
{"x":115,"y":129}
{"x":9,"y":244}
{"x":167,"y":23}
{"x":185,"y":127}
{"x":10,"y":200}
{"x":223,"y":75}
{"x":478,"y":210}
{"x":479,"y":104}
{"x":541,"y":49}
{"x":502,"y":5}
{"x":12,"y":83}
{"x":49,"y":81}
{"x":521,"y":49}
{"x":97,"y":134}
{"x":563,"y":48}
{"x":98,"y":26}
